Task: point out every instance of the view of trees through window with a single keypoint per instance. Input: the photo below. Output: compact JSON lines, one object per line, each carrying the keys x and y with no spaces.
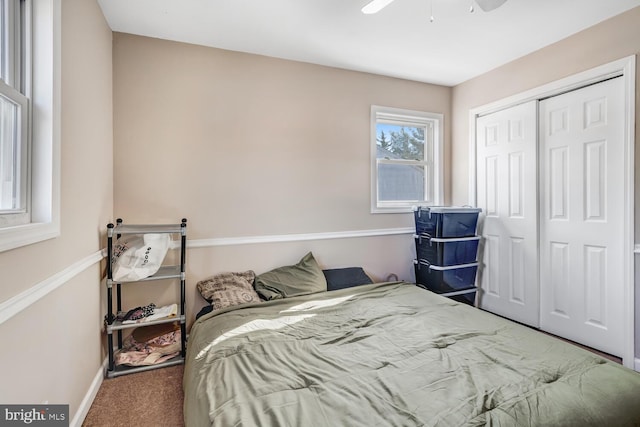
{"x":401,"y":169}
{"x":406,"y":150}
{"x":400,"y":142}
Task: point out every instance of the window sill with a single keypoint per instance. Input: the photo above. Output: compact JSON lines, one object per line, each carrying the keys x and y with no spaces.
{"x":389,"y":210}
{"x":23,"y":235}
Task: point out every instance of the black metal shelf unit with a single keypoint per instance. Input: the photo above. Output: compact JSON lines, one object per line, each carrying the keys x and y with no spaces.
{"x":176,"y":272}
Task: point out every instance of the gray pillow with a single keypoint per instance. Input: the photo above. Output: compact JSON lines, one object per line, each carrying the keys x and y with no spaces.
{"x":301,"y":279}
{"x":341,"y":278}
{"x":228,"y":289}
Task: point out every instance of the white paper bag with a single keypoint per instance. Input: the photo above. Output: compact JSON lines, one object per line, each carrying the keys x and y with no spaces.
{"x":136,"y":256}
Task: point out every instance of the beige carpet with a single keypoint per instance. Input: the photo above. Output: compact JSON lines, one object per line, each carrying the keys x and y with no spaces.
{"x":150,"y":398}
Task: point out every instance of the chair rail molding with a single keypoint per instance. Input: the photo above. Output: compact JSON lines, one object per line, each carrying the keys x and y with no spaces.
{"x":281,"y":238}
{"x":17,"y":303}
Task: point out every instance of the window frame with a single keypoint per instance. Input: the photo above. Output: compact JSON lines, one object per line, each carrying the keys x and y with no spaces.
{"x":14,"y":75}
{"x":42,"y":81}
{"x":434,"y":136}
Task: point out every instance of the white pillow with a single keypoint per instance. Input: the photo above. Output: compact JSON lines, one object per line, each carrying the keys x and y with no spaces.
{"x":136,"y":256}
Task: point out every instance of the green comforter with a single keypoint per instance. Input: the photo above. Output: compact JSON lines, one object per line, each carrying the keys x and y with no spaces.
{"x":393,"y":355}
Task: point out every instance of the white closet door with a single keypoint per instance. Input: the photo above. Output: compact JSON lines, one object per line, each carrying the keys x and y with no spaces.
{"x":582,"y":215}
{"x":506,"y":156}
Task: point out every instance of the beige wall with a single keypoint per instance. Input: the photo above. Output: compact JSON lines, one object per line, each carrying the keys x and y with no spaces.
{"x":610,"y":40}
{"x":241,"y":145}
{"x":52,"y":350}
{"x":246,"y":145}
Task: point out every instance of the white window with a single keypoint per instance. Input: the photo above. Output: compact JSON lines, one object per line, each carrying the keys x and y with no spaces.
{"x":406,"y":159}
{"x":29,"y":121}
{"x":14,"y":115}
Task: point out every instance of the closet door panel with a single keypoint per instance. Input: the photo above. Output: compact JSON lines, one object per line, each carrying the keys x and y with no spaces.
{"x":507,"y":193}
{"x":581,"y":221}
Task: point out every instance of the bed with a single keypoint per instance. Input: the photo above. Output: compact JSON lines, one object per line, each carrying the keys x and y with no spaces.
{"x":393,"y":354}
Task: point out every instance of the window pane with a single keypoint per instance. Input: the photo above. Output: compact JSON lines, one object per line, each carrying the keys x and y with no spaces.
{"x":9,"y":152}
{"x":400,"y":182}
{"x":4,"y":41}
{"x":400,"y":142}
{"x":406,"y":159}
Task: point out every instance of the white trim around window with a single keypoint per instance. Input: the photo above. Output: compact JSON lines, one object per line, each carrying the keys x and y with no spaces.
{"x":433,"y":161}
{"x":45,"y":130}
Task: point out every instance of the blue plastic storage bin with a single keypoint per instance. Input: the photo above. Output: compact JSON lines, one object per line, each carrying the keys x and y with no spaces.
{"x":446,"y":252}
{"x":445,"y":279}
{"x":446,"y":221}
{"x":466,"y":298}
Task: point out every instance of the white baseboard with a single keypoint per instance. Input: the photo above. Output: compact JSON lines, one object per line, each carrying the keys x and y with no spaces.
{"x":89,"y":397}
{"x":636,"y":365}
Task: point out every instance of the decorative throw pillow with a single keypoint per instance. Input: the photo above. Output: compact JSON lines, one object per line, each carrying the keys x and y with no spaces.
{"x":228,"y":289}
{"x":301,"y":279}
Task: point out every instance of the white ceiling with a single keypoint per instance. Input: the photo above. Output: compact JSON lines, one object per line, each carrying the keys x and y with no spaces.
{"x":399,"y":41}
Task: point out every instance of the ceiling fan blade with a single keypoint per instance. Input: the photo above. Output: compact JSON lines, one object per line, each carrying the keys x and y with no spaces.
{"x":489,"y":5}
{"x":375,"y":6}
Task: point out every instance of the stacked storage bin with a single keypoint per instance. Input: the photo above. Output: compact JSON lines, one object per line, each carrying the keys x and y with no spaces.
{"x":446,"y":251}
